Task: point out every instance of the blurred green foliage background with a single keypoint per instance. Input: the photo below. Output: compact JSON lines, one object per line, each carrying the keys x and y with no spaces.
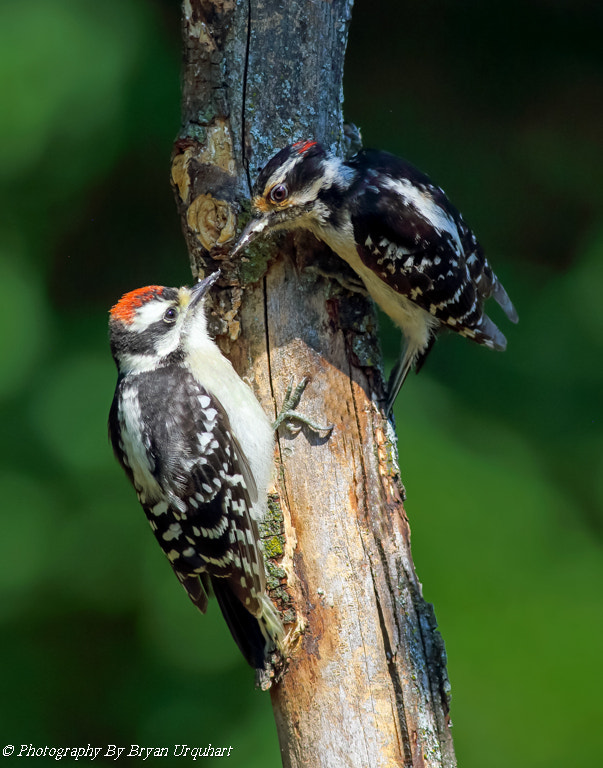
{"x":501,"y":454}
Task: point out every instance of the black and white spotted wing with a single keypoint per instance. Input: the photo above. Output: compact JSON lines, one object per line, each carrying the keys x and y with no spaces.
{"x":196,"y":489}
{"x":411,"y":236}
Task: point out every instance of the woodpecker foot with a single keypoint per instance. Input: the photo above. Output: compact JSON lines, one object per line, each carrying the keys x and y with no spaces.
{"x":352,"y":139}
{"x":350,"y":283}
{"x":295,"y":420}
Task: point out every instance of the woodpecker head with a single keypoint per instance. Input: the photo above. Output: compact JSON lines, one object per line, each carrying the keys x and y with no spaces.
{"x":291,"y":189}
{"x":149,"y":324}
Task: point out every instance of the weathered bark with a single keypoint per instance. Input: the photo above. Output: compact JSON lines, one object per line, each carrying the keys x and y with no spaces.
{"x":366,"y":681}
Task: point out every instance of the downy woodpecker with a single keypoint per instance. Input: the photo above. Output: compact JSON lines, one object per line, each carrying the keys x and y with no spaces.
{"x":198,"y":448}
{"x":399,"y":232}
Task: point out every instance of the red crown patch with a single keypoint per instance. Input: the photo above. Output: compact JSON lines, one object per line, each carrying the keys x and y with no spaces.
{"x":126,"y":307}
{"x":301,"y":147}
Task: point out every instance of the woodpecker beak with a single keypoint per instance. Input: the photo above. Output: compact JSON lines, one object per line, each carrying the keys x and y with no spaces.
{"x":199,"y":290}
{"x":249,"y":234}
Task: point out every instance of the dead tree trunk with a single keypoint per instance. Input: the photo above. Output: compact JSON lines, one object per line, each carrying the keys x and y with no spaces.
{"x":366,"y":683}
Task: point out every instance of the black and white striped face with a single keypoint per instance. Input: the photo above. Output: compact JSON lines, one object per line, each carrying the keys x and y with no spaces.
{"x":287,"y":193}
{"x":150,"y":324}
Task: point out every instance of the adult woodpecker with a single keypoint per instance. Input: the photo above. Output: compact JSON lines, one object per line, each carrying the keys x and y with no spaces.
{"x":412,"y":249}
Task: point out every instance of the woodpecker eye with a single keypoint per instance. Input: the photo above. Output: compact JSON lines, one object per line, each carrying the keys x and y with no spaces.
{"x":279,"y":193}
{"x":170,"y":315}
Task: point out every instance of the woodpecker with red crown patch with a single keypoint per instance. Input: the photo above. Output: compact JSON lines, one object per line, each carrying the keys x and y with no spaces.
{"x":412,"y":249}
{"x":198,"y":448}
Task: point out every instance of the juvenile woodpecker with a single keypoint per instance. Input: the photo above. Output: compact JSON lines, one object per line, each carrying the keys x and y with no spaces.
{"x":399,"y":232}
{"x":198,"y":448}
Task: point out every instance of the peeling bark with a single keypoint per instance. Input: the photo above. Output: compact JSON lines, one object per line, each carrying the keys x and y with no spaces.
{"x":366,"y":680}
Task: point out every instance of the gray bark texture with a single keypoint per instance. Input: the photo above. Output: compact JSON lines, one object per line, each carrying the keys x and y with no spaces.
{"x":365,"y":682}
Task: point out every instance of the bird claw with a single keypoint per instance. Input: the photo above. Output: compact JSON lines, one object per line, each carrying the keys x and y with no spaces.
{"x":295,"y":420}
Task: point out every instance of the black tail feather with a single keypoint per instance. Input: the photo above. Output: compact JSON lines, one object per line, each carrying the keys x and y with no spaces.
{"x":244,"y":626}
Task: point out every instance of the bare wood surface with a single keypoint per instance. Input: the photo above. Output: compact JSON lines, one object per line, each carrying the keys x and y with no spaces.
{"x":366,"y":683}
